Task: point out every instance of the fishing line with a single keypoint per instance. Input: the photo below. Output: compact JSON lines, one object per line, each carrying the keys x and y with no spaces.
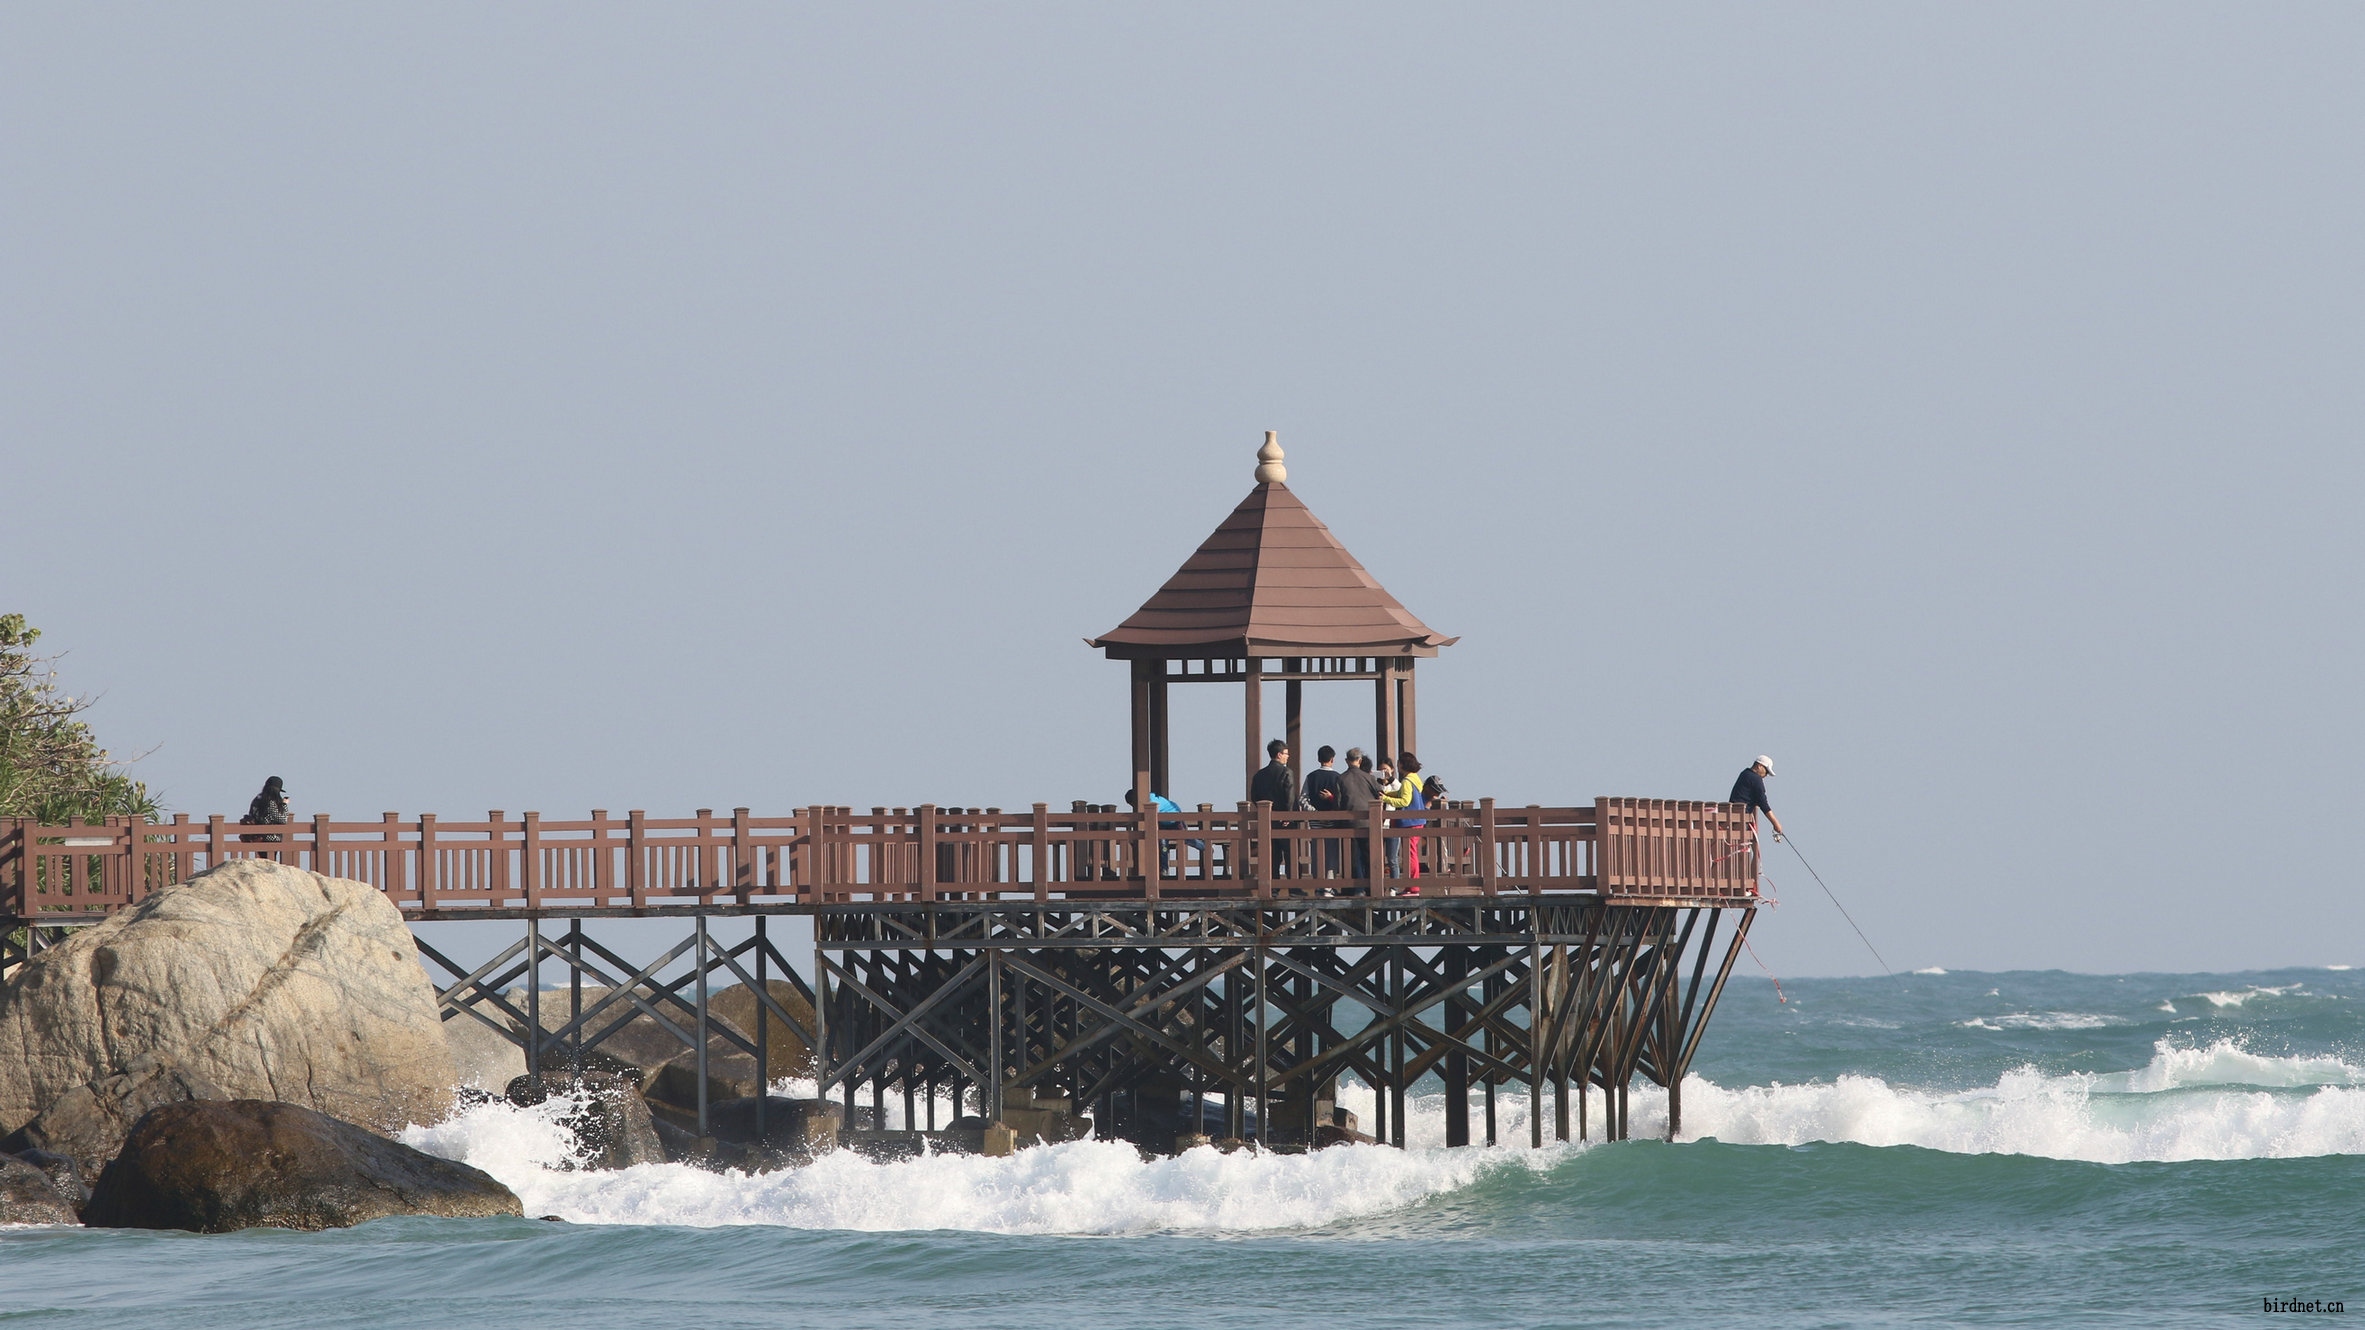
{"x":1792,"y":842}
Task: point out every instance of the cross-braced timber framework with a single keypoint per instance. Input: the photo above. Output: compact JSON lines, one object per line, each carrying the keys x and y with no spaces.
{"x":1263,"y":1005}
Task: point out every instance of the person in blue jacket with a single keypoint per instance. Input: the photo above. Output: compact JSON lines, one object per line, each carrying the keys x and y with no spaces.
{"x":1165,"y":854}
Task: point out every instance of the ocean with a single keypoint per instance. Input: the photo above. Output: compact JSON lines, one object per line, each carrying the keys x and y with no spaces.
{"x":1934,"y":1148}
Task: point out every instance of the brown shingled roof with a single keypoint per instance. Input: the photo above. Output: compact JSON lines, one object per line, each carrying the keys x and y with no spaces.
{"x":1273,"y":581}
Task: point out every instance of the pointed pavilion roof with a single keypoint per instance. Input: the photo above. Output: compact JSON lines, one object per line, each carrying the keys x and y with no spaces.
{"x":1271,"y":581}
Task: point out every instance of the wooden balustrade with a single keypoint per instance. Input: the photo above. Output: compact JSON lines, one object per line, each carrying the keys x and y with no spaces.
{"x":1628,"y":848}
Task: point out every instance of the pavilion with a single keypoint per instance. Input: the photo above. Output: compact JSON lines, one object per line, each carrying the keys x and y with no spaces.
{"x":1271,"y":595}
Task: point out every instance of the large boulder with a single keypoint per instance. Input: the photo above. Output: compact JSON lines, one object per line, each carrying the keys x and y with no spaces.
{"x":33,"y":1194}
{"x":254,"y":980}
{"x":216,"y":1166}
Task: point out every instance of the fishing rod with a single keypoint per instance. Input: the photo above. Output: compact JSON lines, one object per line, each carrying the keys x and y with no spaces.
{"x":1792,"y":842}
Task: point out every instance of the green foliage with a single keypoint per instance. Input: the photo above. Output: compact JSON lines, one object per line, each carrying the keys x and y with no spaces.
{"x":51,"y":765}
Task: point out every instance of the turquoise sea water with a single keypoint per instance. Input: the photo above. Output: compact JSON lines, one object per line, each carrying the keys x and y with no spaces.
{"x":2022,"y":1148}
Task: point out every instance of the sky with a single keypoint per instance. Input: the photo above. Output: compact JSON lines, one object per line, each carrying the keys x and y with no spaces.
{"x":539,"y":406}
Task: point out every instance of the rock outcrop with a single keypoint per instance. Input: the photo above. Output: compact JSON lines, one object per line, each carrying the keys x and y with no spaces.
{"x":217,"y":1166}
{"x":254,"y":980}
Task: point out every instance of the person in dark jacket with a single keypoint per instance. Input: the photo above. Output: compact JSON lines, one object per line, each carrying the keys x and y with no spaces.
{"x":268,"y":809}
{"x":1275,"y":784}
{"x":1750,"y":788}
{"x":1358,"y":790}
{"x":1324,"y":795}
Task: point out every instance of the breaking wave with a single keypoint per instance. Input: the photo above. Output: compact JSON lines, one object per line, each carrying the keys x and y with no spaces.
{"x":2217,"y":1102}
{"x":1087,"y":1187}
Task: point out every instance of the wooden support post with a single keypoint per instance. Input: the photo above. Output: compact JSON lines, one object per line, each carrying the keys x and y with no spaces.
{"x":927,"y":847}
{"x":991,"y":1109}
{"x":636,"y":860}
{"x":1040,"y":852}
{"x":397,"y":882}
{"x":320,"y":844}
{"x":1161,"y":775}
{"x":1256,"y":721}
{"x":530,"y":860}
{"x":743,"y":857}
{"x":575,"y":992}
{"x":1407,"y":713}
{"x":702,"y":1037}
{"x":533,"y":996}
{"x":820,"y":1049}
{"x":1489,"y":870}
{"x":1294,"y":713}
{"x":1264,"y":1103}
{"x":497,"y":857}
{"x":1535,"y":1034}
{"x":603,"y":860}
{"x":1144,"y":760}
{"x":1145,"y":835}
{"x":1396,"y":1085}
{"x":1456,"y":1062}
{"x":763,"y":1026}
{"x":1259,"y":859}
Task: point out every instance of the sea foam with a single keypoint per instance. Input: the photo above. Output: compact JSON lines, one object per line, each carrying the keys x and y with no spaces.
{"x":1083,"y":1187}
{"x":2217,"y":1102}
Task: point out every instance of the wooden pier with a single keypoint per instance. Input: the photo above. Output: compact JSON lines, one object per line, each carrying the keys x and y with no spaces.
{"x":1172,"y":971}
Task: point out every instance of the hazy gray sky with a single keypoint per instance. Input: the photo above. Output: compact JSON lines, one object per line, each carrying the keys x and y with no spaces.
{"x":557,"y":406}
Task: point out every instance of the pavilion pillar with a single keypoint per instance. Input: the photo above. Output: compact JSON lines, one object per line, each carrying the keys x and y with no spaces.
{"x":1256,"y":721}
{"x":1295,"y":693}
{"x":1160,"y":747}
{"x":1384,"y":713}
{"x":1142,"y":691}
{"x":1407,"y":727}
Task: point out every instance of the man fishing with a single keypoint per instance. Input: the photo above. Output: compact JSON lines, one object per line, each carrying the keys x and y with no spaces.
{"x":1750,"y":789}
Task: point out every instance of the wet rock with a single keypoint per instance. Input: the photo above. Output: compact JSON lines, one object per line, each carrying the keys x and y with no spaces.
{"x":218,"y":1166}
{"x":609,"y":1120}
{"x":29,"y":1194}
{"x":255,"y":980}
{"x":674,"y":1084}
{"x":804,"y":1127}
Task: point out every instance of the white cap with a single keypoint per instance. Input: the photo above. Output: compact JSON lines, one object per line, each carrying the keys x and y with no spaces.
{"x":1766,"y":762}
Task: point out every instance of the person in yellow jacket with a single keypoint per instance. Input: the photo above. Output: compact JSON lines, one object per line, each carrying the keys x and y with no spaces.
{"x":1401,"y":788}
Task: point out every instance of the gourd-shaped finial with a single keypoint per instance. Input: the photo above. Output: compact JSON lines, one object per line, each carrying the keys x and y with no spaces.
{"x":1269,"y":470}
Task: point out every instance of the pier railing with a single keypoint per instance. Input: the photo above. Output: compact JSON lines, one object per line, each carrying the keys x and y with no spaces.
{"x":1655,"y":849}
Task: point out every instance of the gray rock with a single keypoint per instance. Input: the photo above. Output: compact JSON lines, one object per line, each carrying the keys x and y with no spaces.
{"x":29,"y":1194}
{"x":607,"y":1116}
{"x":254,"y":980}
{"x":217,"y":1166}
